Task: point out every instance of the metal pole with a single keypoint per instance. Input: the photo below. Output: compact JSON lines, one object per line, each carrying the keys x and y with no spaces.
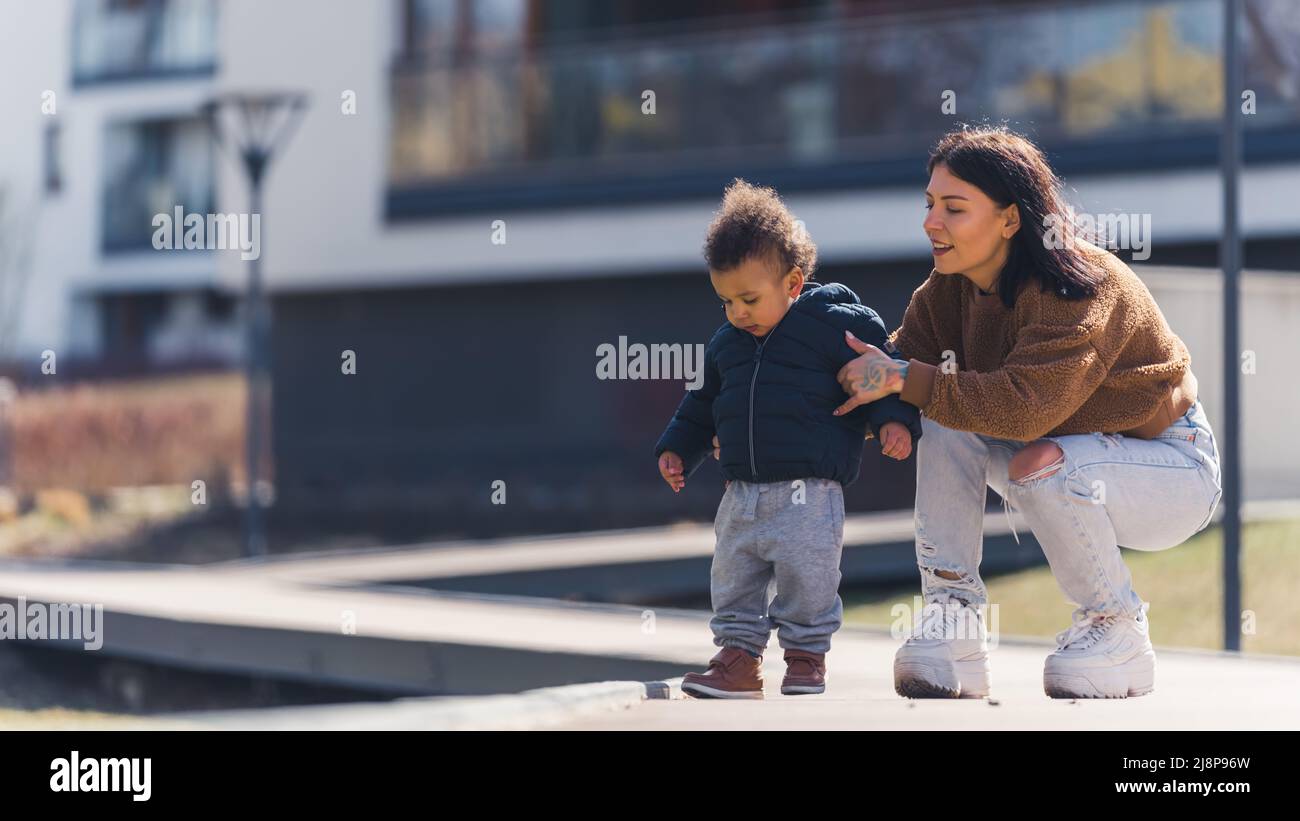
{"x":254,"y":152}
{"x":1230,"y":260}
{"x":254,"y":532}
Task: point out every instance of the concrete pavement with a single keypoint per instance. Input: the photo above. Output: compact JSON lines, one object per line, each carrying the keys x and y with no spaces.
{"x":339,"y":619}
{"x":1194,"y":690}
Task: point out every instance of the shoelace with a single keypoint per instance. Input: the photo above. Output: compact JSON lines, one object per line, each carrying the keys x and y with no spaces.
{"x":938,"y":622}
{"x":1088,"y":628}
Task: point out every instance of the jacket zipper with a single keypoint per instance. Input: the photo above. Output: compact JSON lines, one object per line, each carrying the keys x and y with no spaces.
{"x":753,"y":383}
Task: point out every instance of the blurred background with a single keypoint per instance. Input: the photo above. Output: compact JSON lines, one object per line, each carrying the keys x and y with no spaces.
{"x":476,"y":360}
{"x":480,"y":193}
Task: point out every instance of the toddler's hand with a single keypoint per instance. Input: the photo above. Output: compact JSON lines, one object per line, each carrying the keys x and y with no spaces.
{"x":717,"y":450}
{"x":670,"y":467}
{"x":895,"y":440}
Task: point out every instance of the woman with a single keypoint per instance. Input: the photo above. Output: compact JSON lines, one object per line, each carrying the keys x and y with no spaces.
{"x":1045,"y":370}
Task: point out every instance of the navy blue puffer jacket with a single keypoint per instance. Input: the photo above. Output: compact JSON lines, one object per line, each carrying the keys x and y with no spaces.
{"x":769,"y":399}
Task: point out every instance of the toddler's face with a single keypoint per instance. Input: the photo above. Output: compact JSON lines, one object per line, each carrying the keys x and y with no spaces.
{"x":754,"y":295}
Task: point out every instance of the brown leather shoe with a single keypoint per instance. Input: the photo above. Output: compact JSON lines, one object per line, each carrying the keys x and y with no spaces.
{"x":804,"y":673}
{"x":732,"y":673}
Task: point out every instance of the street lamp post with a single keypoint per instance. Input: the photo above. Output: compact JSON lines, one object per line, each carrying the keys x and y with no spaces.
{"x":255,"y":127}
{"x":1230,"y":148}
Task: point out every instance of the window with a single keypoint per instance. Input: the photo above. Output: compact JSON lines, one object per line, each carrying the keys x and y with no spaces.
{"x":117,"y":40}
{"x":151,"y":167}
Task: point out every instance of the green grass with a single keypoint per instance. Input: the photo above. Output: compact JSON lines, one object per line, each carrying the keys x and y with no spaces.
{"x":1183,"y":584}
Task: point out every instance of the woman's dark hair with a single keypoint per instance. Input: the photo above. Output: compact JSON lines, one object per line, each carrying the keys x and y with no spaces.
{"x":753,"y":222}
{"x":1009,"y":168}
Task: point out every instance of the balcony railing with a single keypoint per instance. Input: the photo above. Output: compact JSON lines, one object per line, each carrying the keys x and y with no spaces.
{"x":116,"y":40}
{"x":821,"y":94}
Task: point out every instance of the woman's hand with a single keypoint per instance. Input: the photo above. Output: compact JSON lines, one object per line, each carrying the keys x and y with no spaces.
{"x":895,"y":440}
{"x":873,"y":375}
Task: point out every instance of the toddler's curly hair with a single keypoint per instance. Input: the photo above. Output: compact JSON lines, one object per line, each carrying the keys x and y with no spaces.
{"x":754,"y":222}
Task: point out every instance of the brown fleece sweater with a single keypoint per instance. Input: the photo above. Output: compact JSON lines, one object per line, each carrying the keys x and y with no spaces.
{"x":1048,"y":366}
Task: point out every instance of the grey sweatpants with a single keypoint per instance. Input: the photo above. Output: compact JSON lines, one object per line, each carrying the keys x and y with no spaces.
{"x":787,"y":533}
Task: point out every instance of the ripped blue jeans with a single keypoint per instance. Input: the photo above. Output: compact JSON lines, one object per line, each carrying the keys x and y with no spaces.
{"x":1107,"y":490}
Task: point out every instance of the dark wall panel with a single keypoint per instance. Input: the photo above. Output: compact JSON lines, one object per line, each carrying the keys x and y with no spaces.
{"x":459,"y":386}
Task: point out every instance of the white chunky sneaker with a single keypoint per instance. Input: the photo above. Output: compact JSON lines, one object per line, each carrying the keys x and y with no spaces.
{"x":947,"y":655}
{"x":1102,"y":657}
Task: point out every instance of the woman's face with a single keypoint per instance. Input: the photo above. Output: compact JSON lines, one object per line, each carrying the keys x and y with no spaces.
{"x":969,"y":234}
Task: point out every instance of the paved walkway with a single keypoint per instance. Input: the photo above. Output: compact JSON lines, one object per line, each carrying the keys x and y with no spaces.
{"x":318,"y":618}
